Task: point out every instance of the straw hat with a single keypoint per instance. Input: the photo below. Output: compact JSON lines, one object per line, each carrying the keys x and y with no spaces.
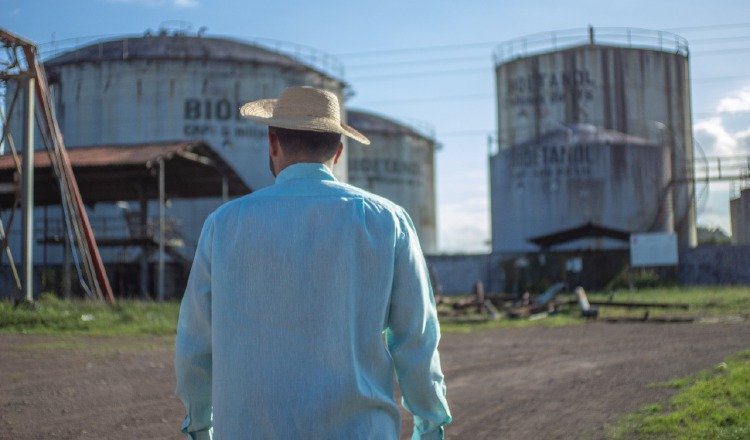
{"x":302,"y":108}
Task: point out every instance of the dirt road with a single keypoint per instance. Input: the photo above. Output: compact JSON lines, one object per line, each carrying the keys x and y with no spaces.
{"x":563,"y":383}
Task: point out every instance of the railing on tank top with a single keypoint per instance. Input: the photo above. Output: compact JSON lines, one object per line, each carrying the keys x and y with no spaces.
{"x":635,"y":38}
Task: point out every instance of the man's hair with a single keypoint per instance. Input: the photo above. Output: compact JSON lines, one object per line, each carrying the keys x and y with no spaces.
{"x":318,"y":145}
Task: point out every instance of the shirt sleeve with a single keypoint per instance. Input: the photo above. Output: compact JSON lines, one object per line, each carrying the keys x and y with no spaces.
{"x":193,"y":342}
{"x":412,"y":336}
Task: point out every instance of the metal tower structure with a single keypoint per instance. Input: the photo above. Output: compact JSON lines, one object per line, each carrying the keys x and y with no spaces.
{"x":22,"y":72}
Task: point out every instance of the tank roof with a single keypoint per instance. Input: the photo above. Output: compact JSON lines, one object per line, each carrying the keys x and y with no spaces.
{"x":371,"y":122}
{"x":621,"y":38}
{"x":177,"y":47}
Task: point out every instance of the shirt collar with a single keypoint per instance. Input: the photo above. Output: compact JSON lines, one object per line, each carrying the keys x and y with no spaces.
{"x":316,"y":171}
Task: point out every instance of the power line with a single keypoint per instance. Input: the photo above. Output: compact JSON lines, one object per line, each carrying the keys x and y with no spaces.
{"x":487,"y":57}
{"x":719,"y":39}
{"x":420,"y":74}
{"x":708,"y":27}
{"x":413,"y":62}
{"x":381,"y":52}
{"x":721,"y":51}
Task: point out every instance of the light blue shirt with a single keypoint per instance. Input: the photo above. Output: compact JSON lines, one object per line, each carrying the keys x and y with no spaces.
{"x":303,"y":300}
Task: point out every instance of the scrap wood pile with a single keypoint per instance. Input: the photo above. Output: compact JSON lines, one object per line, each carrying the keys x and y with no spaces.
{"x":482,"y":307}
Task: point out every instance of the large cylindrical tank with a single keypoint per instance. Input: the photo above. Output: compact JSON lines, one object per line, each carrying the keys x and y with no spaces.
{"x":630,"y":84}
{"x":574,"y":176}
{"x":176,"y":86}
{"x":166,"y":87}
{"x":398,"y":165}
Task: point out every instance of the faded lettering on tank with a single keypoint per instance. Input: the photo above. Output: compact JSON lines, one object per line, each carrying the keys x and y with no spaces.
{"x":221,"y":117}
{"x":386,"y":170}
{"x":540,"y":88}
{"x":552,"y":161}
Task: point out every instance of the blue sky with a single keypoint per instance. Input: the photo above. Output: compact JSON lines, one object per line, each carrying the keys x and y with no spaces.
{"x":449,"y":81}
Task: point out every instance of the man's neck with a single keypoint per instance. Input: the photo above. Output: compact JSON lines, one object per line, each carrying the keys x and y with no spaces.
{"x":328,"y":164}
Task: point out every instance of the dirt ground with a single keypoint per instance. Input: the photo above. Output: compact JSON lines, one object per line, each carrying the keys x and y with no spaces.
{"x":561,"y":383}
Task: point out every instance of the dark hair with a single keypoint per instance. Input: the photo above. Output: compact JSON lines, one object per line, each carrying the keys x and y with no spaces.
{"x":317,"y":145}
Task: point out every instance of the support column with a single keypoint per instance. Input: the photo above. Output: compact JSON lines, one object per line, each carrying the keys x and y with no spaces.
{"x":162,"y":201}
{"x":142,"y":232}
{"x":27,"y":188}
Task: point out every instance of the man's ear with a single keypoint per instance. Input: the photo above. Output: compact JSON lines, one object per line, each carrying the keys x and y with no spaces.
{"x":339,"y":150}
{"x":274,"y":148}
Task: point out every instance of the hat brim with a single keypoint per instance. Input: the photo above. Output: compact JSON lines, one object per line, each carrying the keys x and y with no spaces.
{"x":262,"y":111}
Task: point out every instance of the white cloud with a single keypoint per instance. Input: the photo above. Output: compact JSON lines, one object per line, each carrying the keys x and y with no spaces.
{"x":464,"y":226}
{"x":154,"y":3}
{"x":737,"y":103}
{"x":719,"y":141}
{"x":186,"y":3}
{"x":149,"y":3}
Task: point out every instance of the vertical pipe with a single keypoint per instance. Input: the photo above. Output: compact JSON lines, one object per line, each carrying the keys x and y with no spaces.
{"x":160,"y":290}
{"x":28,"y":192}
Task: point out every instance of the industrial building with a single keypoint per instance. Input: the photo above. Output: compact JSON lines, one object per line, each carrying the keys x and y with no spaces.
{"x":167,"y":89}
{"x":592,"y":129}
{"x":593,"y":143}
{"x":157,"y":101}
{"x":398,"y":165}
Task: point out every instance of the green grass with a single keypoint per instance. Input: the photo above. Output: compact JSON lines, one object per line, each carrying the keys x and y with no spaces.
{"x":711,"y":405}
{"x":129,"y":317}
{"x":54,"y":316}
{"x":704,"y":302}
{"x":477,"y":324}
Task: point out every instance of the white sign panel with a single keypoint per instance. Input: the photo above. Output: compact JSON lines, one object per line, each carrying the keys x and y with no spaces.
{"x":653,"y":249}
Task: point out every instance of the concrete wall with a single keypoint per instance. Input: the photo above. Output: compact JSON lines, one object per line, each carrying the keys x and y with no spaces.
{"x":715,"y":265}
{"x":457,"y":274}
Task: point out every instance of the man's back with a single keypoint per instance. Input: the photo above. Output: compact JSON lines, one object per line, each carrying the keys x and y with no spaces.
{"x":302,"y":278}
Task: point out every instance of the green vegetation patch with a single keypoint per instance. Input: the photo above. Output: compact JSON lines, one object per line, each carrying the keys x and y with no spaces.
{"x":711,"y":405}
{"x":51,"y":315}
{"x":703,"y":302}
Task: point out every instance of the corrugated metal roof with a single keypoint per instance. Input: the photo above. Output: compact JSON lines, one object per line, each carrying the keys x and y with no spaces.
{"x":125,"y":172}
{"x":110,"y":155}
{"x":174,"y":47}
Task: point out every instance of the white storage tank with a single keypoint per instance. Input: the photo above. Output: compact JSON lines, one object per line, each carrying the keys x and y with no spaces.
{"x":168,"y":87}
{"x":575,"y":176}
{"x":398,"y":165}
{"x":176,"y":86}
{"x":582,"y":116}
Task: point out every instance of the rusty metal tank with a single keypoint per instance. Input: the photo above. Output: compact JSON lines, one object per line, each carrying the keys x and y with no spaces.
{"x":399,"y":165}
{"x":585,"y":111}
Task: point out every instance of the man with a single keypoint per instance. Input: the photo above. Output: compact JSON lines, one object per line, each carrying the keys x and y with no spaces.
{"x":305,"y":297}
